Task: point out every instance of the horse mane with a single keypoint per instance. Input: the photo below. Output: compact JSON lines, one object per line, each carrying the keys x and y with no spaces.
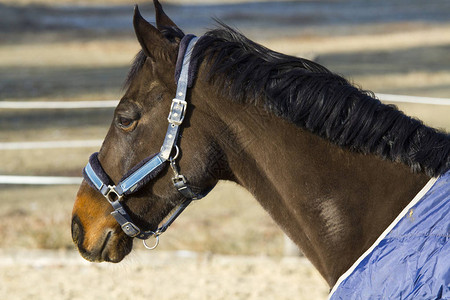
{"x":310,"y":96}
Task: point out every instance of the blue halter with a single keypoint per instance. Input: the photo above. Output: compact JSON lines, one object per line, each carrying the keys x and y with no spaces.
{"x":150,"y":167}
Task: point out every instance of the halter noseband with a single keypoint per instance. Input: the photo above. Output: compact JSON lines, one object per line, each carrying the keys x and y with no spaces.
{"x":150,"y":167}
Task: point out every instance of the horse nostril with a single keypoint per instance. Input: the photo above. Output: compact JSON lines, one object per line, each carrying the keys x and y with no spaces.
{"x":77,"y":231}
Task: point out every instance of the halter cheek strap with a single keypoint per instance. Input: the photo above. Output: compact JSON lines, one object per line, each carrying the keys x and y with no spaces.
{"x":151,"y":166}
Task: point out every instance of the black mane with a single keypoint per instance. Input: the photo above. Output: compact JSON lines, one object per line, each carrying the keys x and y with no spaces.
{"x":310,"y":96}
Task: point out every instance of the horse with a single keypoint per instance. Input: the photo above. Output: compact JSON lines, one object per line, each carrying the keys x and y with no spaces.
{"x":330,"y":163}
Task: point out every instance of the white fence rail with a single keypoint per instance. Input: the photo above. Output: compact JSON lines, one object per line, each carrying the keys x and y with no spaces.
{"x":57,"y":104}
{"x":413,"y":99}
{"x":49,"y":144}
{"x":39,"y":180}
{"x":56,"y":180}
{"x":113,"y":103}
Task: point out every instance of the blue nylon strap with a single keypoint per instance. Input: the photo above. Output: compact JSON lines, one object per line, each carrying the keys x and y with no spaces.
{"x":98,"y":183}
{"x":130,"y":183}
{"x":127,"y":185}
{"x":179,"y":104}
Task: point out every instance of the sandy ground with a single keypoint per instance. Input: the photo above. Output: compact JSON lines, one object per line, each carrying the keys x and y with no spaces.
{"x":157,"y":275}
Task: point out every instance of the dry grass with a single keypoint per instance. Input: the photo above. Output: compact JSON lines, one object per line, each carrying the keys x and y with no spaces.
{"x":70,"y":54}
{"x":35,"y":217}
{"x":158,"y":275}
{"x":113,"y":52}
{"x":396,"y":40}
{"x":45,"y":162}
{"x":39,"y":217}
{"x":411,"y":80}
{"x":97,"y":69}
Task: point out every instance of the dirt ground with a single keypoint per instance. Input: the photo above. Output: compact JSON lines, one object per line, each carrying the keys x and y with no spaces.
{"x":158,"y":275}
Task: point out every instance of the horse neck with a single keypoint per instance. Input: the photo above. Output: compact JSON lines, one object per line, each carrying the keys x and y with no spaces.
{"x":331,"y":202}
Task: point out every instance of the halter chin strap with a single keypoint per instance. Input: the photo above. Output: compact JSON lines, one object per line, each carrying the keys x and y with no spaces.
{"x":151,"y":166}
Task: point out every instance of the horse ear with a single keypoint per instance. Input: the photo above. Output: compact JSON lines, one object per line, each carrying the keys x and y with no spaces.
{"x":162,"y":20}
{"x":152,"y":41}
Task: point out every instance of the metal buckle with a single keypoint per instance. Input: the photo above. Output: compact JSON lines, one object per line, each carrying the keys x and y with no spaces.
{"x":179,"y":178}
{"x":177,"y":112}
{"x":112,"y":193}
{"x":130,"y":229}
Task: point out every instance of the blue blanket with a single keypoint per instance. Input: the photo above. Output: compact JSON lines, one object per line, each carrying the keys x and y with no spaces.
{"x":411,"y":260}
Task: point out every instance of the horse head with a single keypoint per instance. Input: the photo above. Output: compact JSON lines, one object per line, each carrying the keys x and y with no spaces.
{"x":317,"y":153}
{"x":138,"y":130}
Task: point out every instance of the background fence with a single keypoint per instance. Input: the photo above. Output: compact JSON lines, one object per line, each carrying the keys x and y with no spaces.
{"x":59,"y":180}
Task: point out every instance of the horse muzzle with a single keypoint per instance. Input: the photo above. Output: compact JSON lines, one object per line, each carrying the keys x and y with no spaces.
{"x":96,"y":237}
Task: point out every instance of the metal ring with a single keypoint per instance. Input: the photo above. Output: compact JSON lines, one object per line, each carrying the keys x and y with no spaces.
{"x":154,"y":246}
{"x":176,"y":153}
{"x":112,"y":192}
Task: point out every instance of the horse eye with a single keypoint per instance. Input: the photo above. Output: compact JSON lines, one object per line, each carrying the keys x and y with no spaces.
{"x":125,"y":122}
